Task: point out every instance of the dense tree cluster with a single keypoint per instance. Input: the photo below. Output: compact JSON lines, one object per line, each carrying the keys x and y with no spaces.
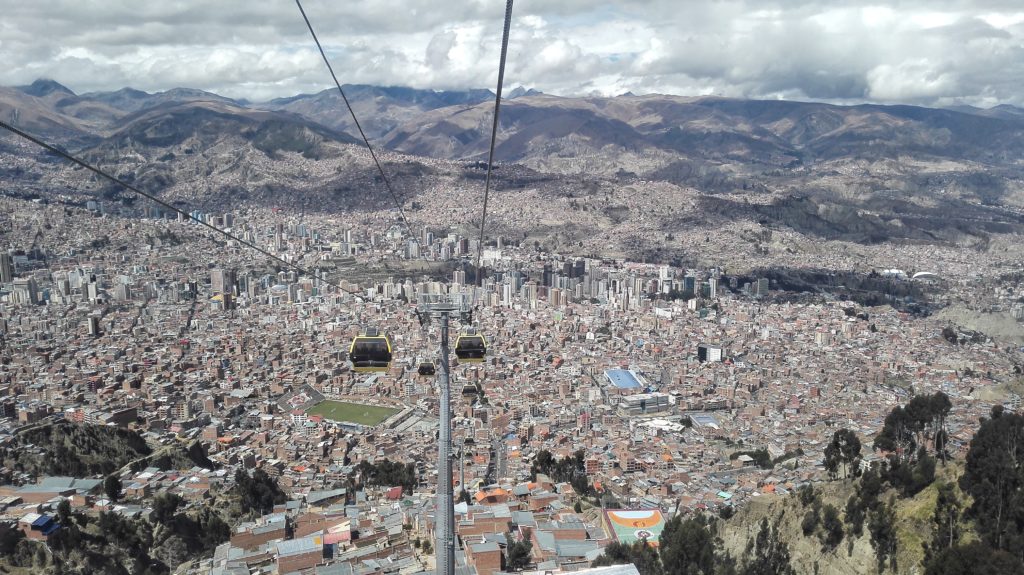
{"x":259,"y":492}
{"x":972,"y":558}
{"x":572,"y":470}
{"x":994,"y":478}
{"x":920,"y":422}
{"x":946,"y":532}
{"x":691,"y":546}
{"x":177,"y":457}
{"x":112,"y":544}
{"x":640,"y":554}
{"x":388,"y":473}
{"x":766,"y":554}
{"x":518,"y":554}
{"x":761,"y":457}
{"x":864,"y":501}
{"x":76,"y":450}
{"x":906,"y":436}
{"x":821,"y":519}
{"x":843,"y":452}
{"x":118,"y":545}
{"x":882,"y":527}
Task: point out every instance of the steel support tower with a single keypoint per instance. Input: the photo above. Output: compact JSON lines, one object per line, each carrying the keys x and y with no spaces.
{"x":441,"y":307}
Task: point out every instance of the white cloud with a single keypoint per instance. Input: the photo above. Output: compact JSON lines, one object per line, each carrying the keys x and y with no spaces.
{"x":923,"y":52}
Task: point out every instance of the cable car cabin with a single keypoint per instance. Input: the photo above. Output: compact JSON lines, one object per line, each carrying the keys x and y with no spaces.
{"x":370,"y":352}
{"x":426,"y":368}
{"x":468,"y":390}
{"x":470,"y":348}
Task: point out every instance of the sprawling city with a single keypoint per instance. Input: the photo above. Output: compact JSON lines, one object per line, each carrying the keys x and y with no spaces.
{"x":685,"y":335}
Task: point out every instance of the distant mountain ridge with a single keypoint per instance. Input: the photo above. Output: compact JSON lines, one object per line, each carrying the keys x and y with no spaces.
{"x":863,"y":173}
{"x":454,"y":124}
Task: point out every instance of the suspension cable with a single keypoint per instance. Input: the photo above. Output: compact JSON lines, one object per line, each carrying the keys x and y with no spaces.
{"x":494,"y":134}
{"x":387,"y":183}
{"x":157,"y":200}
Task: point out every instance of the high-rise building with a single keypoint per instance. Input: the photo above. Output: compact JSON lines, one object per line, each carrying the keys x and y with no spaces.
{"x":579,"y":268}
{"x":690,"y":284}
{"x":28,"y":290}
{"x":762,"y":287}
{"x":709,"y":352}
{"x":412,"y":250}
{"x":6,"y":268}
{"x":122,"y":292}
{"x":222,"y":281}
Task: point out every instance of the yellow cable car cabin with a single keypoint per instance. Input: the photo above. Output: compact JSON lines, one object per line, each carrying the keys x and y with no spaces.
{"x":370,"y":352}
{"x":470,"y":347}
{"x":426,"y":367}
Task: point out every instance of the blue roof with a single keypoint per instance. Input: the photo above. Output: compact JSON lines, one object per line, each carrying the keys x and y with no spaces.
{"x":41,"y":521}
{"x":622,"y":378}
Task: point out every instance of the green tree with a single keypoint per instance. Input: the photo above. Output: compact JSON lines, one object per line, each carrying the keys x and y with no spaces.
{"x":882,"y":526}
{"x":807,"y":495}
{"x":940,"y":408}
{"x":172,"y":552}
{"x":832,"y":527}
{"x":9,"y":538}
{"x":810,"y":522}
{"x":687,"y":547}
{"x":946,"y":530}
{"x":897,"y":434}
{"x":994,"y":478}
{"x":974,"y":558}
{"x":258,"y":493}
{"x":165,"y":506}
{"x":112,"y":487}
{"x":640,"y":554}
{"x":519,"y":553}
{"x":388,"y":473}
{"x":766,"y":554}
{"x":843,"y":451}
{"x":571,"y":469}
{"x":64,"y":512}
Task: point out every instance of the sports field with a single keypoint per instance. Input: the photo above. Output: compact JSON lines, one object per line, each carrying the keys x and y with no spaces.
{"x":352,"y":412}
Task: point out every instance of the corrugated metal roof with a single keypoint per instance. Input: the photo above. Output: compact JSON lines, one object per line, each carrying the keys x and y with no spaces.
{"x":300,"y":546}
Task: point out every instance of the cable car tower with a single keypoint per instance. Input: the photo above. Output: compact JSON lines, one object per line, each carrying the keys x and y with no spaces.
{"x":442,"y":307}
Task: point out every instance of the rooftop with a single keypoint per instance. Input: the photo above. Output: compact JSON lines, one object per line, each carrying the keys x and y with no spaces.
{"x":623,"y":378}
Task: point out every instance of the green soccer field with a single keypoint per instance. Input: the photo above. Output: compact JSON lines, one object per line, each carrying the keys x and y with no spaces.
{"x":353,"y":412}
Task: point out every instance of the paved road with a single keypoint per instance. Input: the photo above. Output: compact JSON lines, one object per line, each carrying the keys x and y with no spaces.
{"x":501,"y":460}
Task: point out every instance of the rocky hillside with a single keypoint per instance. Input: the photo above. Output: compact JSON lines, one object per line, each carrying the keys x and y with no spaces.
{"x":635,"y":169}
{"x":854,"y":555}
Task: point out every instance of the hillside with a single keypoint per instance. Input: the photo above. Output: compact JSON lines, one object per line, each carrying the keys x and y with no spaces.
{"x":637,"y":169}
{"x":914,"y":525}
{"x":379,"y":109}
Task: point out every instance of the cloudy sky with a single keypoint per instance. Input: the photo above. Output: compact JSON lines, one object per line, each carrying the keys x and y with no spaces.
{"x":932,"y":52}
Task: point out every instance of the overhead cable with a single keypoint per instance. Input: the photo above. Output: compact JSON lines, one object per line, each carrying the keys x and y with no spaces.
{"x":151,"y":197}
{"x":387,"y":183}
{"x":494,"y":134}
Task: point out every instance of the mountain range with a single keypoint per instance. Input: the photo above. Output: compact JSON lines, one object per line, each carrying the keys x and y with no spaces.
{"x":864,"y":173}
